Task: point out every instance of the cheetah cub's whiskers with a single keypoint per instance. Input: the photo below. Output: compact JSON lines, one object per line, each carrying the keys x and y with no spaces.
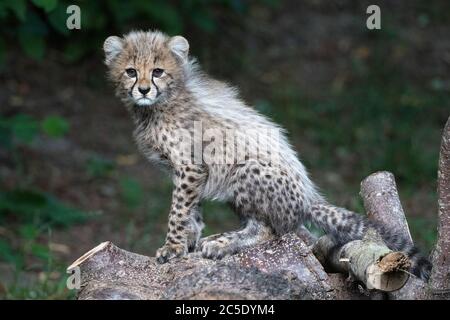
{"x":168,"y":97}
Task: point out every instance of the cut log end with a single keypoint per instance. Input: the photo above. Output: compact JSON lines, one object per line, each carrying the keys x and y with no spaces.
{"x":394,"y":261}
{"x":88,"y":254}
{"x":367,"y":260}
{"x":389,"y":273}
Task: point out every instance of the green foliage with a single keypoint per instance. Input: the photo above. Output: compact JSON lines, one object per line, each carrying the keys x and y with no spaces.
{"x":391,"y":127}
{"x":98,"y":167}
{"x":131,"y":192}
{"x":33,"y":22}
{"x":47,"y":5}
{"x":33,"y":45}
{"x":23,"y":129}
{"x":32,"y":205}
{"x":423,"y":231}
{"x":18,"y":7}
{"x":55,"y":126}
{"x":31,"y":214}
{"x":8,"y":254}
{"x":20,"y":128}
{"x":22,"y":282}
{"x":44,"y":288}
{"x":221,"y":219}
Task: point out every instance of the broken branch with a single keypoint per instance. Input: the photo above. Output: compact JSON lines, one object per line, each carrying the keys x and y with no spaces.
{"x":367,"y":260}
{"x":382,"y":203}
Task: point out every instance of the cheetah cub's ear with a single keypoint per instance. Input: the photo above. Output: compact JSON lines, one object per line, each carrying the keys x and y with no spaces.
{"x":180,"y":47}
{"x":112,"y":46}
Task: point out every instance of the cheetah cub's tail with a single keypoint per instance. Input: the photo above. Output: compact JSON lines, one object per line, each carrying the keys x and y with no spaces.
{"x":344,"y":226}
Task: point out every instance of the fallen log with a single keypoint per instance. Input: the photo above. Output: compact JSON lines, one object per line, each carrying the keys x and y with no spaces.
{"x":282,"y":268}
{"x":368,"y":260}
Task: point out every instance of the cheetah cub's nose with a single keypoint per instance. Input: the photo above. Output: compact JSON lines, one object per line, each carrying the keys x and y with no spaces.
{"x":143,"y":90}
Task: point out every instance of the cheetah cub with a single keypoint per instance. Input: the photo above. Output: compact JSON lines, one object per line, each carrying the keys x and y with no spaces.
{"x":217,"y":147}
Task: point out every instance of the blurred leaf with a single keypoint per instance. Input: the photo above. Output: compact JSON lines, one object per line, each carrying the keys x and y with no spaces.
{"x":29,"y":231}
{"x":240,"y":6}
{"x":74,"y":51}
{"x":424,"y":231}
{"x":5,"y":137}
{"x":19,"y":7}
{"x":21,"y":200}
{"x":94,"y":17}
{"x":34,"y":24}
{"x":164,"y":13}
{"x":131,"y":192}
{"x":8,"y":254}
{"x":98,"y":167}
{"x":31,"y":36}
{"x":47,"y":5}
{"x":55,"y":126}
{"x":3,"y":10}
{"x":2,"y":52}
{"x":28,"y":205}
{"x":24,"y":127}
{"x":123,"y":11}
{"x":204,"y":21}
{"x":40,"y":251}
{"x":60,"y":214}
{"x":33,"y":45}
{"x":58,"y":18}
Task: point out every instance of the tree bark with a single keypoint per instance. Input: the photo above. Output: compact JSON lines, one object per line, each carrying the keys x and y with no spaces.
{"x":382,"y":203}
{"x":282,"y":268}
{"x":440,"y":275}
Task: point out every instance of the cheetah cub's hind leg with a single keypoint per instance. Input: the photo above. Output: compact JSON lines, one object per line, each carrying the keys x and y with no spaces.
{"x":220,"y":245}
{"x":196,"y":227}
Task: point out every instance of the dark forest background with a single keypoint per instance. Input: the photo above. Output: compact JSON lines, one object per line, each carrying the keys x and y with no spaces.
{"x":353,"y":100}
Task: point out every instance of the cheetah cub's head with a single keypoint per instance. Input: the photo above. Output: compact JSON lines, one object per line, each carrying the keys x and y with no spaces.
{"x":146,"y":67}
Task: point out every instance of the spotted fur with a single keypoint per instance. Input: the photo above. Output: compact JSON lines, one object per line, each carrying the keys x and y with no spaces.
{"x":271,"y":197}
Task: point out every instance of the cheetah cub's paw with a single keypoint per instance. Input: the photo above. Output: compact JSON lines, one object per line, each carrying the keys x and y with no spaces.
{"x":216,"y":247}
{"x":170,"y":251}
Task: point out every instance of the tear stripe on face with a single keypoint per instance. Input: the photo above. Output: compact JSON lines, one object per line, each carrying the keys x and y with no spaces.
{"x":157,"y":89}
{"x":130,"y":93}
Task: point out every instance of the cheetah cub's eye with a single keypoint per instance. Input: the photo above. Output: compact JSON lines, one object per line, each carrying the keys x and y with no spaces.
{"x":157,"y":72}
{"x":131,"y":72}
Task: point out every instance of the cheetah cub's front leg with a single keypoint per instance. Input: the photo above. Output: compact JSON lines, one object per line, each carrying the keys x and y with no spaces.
{"x":185,"y":223}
